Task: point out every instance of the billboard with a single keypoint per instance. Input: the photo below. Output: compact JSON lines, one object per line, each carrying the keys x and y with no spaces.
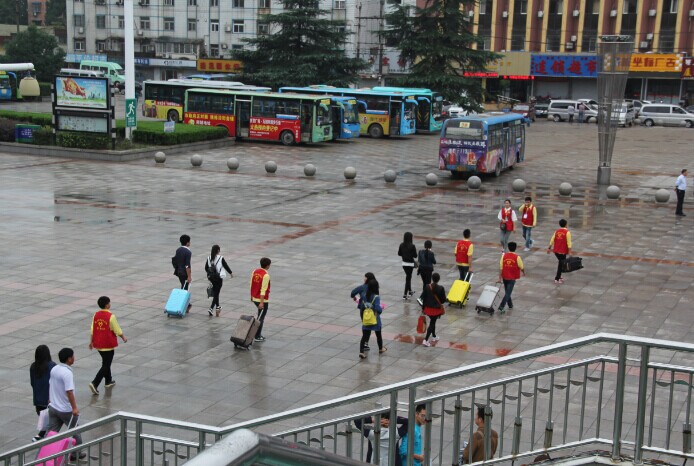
{"x":576,"y":66}
{"x":73,"y":91}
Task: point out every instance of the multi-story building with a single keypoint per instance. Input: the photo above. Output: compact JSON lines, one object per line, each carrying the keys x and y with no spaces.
{"x":36,"y":12}
{"x":171,"y":34}
{"x":549,"y":46}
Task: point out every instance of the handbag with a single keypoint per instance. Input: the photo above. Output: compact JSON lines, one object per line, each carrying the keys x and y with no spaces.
{"x":421,"y":324}
{"x":368,"y":317}
{"x":502,"y":226}
{"x":209,"y":291}
{"x":42,"y":423}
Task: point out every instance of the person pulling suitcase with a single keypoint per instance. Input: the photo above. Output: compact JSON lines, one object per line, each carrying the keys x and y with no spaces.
{"x":260,"y":293}
{"x":511,"y":267}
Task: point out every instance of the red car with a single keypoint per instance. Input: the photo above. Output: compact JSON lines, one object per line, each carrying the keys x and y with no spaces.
{"x":527,"y":109}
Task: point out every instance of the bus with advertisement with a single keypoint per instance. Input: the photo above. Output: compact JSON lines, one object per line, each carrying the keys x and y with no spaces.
{"x":429,"y":108}
{"x":289,"y":118}
{"x":484,"y":143}
{"x":163,"y":100}
{"x":380,"y":113}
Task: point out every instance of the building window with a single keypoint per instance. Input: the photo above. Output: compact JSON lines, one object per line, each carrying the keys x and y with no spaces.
{"x":339,"y":4}
{"x":556,"y":7}
{"x":238,"y":3}
{"x":169,"y":24}
{"x":100,"y":21}
{"x":100,"y":45}
{"x":523,"y":7}
{"x":237,"y":26}
{"x":214,"y":50}
{"x":596,"y":7}
{"x":192,"y":2}
{"x":143,"y":2}
{"x":121,"y":22}
{"x":192,"y":25}
{"x":144,"y":22}
{"x":79,"y":21}
{"x":673,"y":6}
{"x":264,"y":4}
{"x":79,"y":44}
{"x":214,"y":2}
{"x":263,"y":28}
{"x":168,"y":2}
{"x":629,"y":7}
{"x":483,"y":9}
{"x":237,"y":47}
{"x":79,"y":1}
{"x":214,"y":25}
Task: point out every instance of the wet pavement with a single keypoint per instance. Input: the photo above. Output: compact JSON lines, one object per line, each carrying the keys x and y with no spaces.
{"x":75,"y":230}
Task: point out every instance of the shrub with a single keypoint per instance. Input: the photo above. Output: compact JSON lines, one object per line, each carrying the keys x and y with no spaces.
{"x":45,"y":89}
{"x":43,"y":136}
{"x":7,"y":130}
{"x":152,"y":133}
{"x":84,"y":140}
{"x":43,"y":119}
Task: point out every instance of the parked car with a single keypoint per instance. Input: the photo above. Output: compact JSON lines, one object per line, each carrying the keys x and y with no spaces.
{"x":590,"y":103}
{"x":558,"y":110}
{"x":637,"y":104}
{"x":666,"y":115}
{"x":690,"y":109}
{"x":453,"y":111}
{"x":527,"y":109}
{"x":624,"y":115}
{"x":541,"y":110}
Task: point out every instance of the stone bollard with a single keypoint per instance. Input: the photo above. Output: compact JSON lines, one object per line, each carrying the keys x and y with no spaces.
{"x":350,"y":173}
{"x":432,"y":179}
{"x":518,"y":185}
{"x":233,"y":163}
{"x":390,"y":176}
{"x":309,"y":169}
{"x":474,"y":183}
{"x":613,"y":192}
{"x":160,"y":157}
{"x":662,"y":196}
{"x":565,"y":189}
{"x":270,"y":167}
{"x":196,"y":160}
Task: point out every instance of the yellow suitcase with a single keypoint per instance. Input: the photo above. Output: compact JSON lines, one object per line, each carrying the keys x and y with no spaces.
{"x":460,"y":291}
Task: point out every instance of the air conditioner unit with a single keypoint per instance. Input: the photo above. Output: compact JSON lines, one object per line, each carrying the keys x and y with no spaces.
{"x":540,"y":13}
{"x":691,"y":13}
{"x":577,"y":12}
{"x":36,"y":13}
{"x":140,"y":33}
{"x":613,"y":13}
{"x":651,"y":12}
{"x":569,"y":45}
{"x":643,"y":45}
{"x":227,"y":28}
{"x":80,"y":30}
{"x":224,"y":46}
{"x":573,"y":38}
{"x":649,"y":36}
{"x":504,"y":14}
{"x":471,"y":13}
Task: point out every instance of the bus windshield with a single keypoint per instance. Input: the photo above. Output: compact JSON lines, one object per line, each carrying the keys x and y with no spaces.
{"x":471,"y":130}
{"x":350,"y":111}
{"x":324,"y":116}
{"x":437,"y":109}
{"x":5,"y":82}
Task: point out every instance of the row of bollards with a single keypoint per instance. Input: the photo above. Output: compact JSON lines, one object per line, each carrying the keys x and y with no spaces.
{"x":474,"y":183}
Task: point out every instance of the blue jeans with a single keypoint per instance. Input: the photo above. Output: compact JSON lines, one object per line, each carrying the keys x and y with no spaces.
{"x":527,"y":232}
{"x":504,"y":236}
{"x":508,"y":289}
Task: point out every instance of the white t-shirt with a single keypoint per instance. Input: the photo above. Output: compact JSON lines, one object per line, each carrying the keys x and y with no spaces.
{"x":61,"y":381}
{"x":681,"y":183}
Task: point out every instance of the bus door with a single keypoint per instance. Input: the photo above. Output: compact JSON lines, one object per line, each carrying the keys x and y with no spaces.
{"x":423,"y":113}
{"x":396,"y":116}
{"x":507,"y":134}
{"x":306,"y":118}
{"x":243,"y":118}
{"x":337,"y":120}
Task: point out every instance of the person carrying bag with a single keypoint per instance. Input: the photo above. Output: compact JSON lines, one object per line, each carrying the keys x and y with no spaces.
{"x":216,"y":268}
{"x":371,"y":319}
{"x":433,"y":298}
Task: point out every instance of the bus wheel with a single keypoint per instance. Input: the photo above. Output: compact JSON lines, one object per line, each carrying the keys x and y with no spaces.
{"x":375,"y":131}
{"x":497,"y":170}
{"x":172,"y":116}
{"x":287,"y":138}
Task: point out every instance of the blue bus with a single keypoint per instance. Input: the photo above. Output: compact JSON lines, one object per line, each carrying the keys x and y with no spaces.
{"x":429,"y":108}
{"x":380,"y":113}
{"x":484,"y":143}
{"x":345,"y":117}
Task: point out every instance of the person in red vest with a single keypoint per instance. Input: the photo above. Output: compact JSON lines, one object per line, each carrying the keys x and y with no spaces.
{"x":528,"y":220}
{"x":463,"y":254}
{"x":105,"y":332}
{"x":506,"y":218}
{"x":561,"y":245}
{"x":260,"y":293}
{"x":510,"y":269}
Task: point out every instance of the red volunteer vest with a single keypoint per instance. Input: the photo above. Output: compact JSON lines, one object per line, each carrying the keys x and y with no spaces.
{"x":510,"y":269}
{"x":102,"y":336}
{"x":257,"y":283}
{"x":528,"y":217}
{"x":461,"y":256}
{"x":508,"y":217}
{"x":561,"y":246}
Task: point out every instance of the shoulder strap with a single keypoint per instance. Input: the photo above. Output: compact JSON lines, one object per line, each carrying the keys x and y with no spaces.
{"x":431,"y":287}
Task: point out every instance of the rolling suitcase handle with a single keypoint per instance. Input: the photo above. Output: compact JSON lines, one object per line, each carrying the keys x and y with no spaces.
{"x":468,"y":277}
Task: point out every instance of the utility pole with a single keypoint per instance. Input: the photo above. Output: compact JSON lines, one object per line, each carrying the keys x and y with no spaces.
{"x":358,"y":30}
{"x":380,"y":43}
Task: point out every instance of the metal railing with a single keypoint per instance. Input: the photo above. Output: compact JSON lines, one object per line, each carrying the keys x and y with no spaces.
{"x":612,"y":390}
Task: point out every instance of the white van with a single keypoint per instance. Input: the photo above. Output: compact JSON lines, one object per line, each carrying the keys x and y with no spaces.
{"x":111,"y":70}
{"x":666,"y":115}
{"x":81,"y":73}
{"x":558,"y":110}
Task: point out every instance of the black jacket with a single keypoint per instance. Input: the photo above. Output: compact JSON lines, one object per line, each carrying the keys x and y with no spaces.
{"x":408,"y":252}
{"x":428,"y":298}
{"x":426,"y":259}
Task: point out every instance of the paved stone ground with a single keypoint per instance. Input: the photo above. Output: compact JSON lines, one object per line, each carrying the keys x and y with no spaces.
{"x":75,"y":230}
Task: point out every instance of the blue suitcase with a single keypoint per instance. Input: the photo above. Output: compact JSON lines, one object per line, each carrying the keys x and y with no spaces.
{"x":177,"y":305}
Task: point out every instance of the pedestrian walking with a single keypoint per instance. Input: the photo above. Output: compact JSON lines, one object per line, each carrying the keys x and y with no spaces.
{"x":581,"y":112}
{"x":372,"y":302}
{"x":474,"y":451}
{"x":572,"y":111}
{"x":420,"y":418}
{"x":408,"y":253}
{"x":39,"y":377}
{"x":528,"y":221}
{"x":433,"y":296}
{"x":104,"y":338}
{"x":384,"y":438}
{"x":62,"y":408}
{"x":510,"y":269}
{"x":507,"y":217}
{"x":463,"y":254}
{"x":358,"y":294}
{"x":427,"y":260}
{"x":560,"y":244}
{"x":216,"y":269}
{"x":181,"y":263}
{"x":260,"y":293}
{"x":680,"y":189}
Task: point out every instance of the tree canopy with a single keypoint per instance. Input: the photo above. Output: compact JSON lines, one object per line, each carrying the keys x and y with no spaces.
{"x":10,"y":9}
{"x":303,"y":48}
{"x":437,"y":41}
{"x":38,"y":47}
{"x":55,"y":12}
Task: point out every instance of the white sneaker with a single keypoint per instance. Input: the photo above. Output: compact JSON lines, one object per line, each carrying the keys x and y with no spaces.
{"x":426,"y":343}
{"x":435,"y":338}
{"x":526,"y":249}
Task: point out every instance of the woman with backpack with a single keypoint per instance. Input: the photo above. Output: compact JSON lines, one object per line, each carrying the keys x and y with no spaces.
{"x":39,"y":376}
{"x":216,"y":268}
{"x":427,"y":260}
{"x":433,"y":296}
{"x":371,"y":318}
{"x":408,"y":252}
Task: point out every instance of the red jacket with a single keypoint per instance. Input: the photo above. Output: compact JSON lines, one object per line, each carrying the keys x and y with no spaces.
{"x":509,"y":266}
{"x":102,"y":335}
{"x":257,"y":283}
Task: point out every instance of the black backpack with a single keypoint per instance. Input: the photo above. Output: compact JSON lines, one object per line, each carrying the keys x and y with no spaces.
{"x":212,"y":272}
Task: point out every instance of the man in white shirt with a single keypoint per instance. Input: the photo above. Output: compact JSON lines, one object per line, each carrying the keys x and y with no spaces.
{"x":62,"y":408}
{"x":680,"y":188}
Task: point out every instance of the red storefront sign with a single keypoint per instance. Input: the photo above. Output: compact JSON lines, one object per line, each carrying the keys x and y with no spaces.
{"x":481,"y":74}
{"x":518,"y":78}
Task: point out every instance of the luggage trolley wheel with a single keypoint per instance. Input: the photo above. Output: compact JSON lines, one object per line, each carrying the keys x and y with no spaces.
{"x":477,"y":308}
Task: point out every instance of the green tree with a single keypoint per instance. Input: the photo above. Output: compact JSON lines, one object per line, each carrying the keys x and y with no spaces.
{"x":55,"y":12}
{"x":38,"y":47}
{"x":13,"y":12}
{"x":437,"y":41}
{"x":306,"y":49}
